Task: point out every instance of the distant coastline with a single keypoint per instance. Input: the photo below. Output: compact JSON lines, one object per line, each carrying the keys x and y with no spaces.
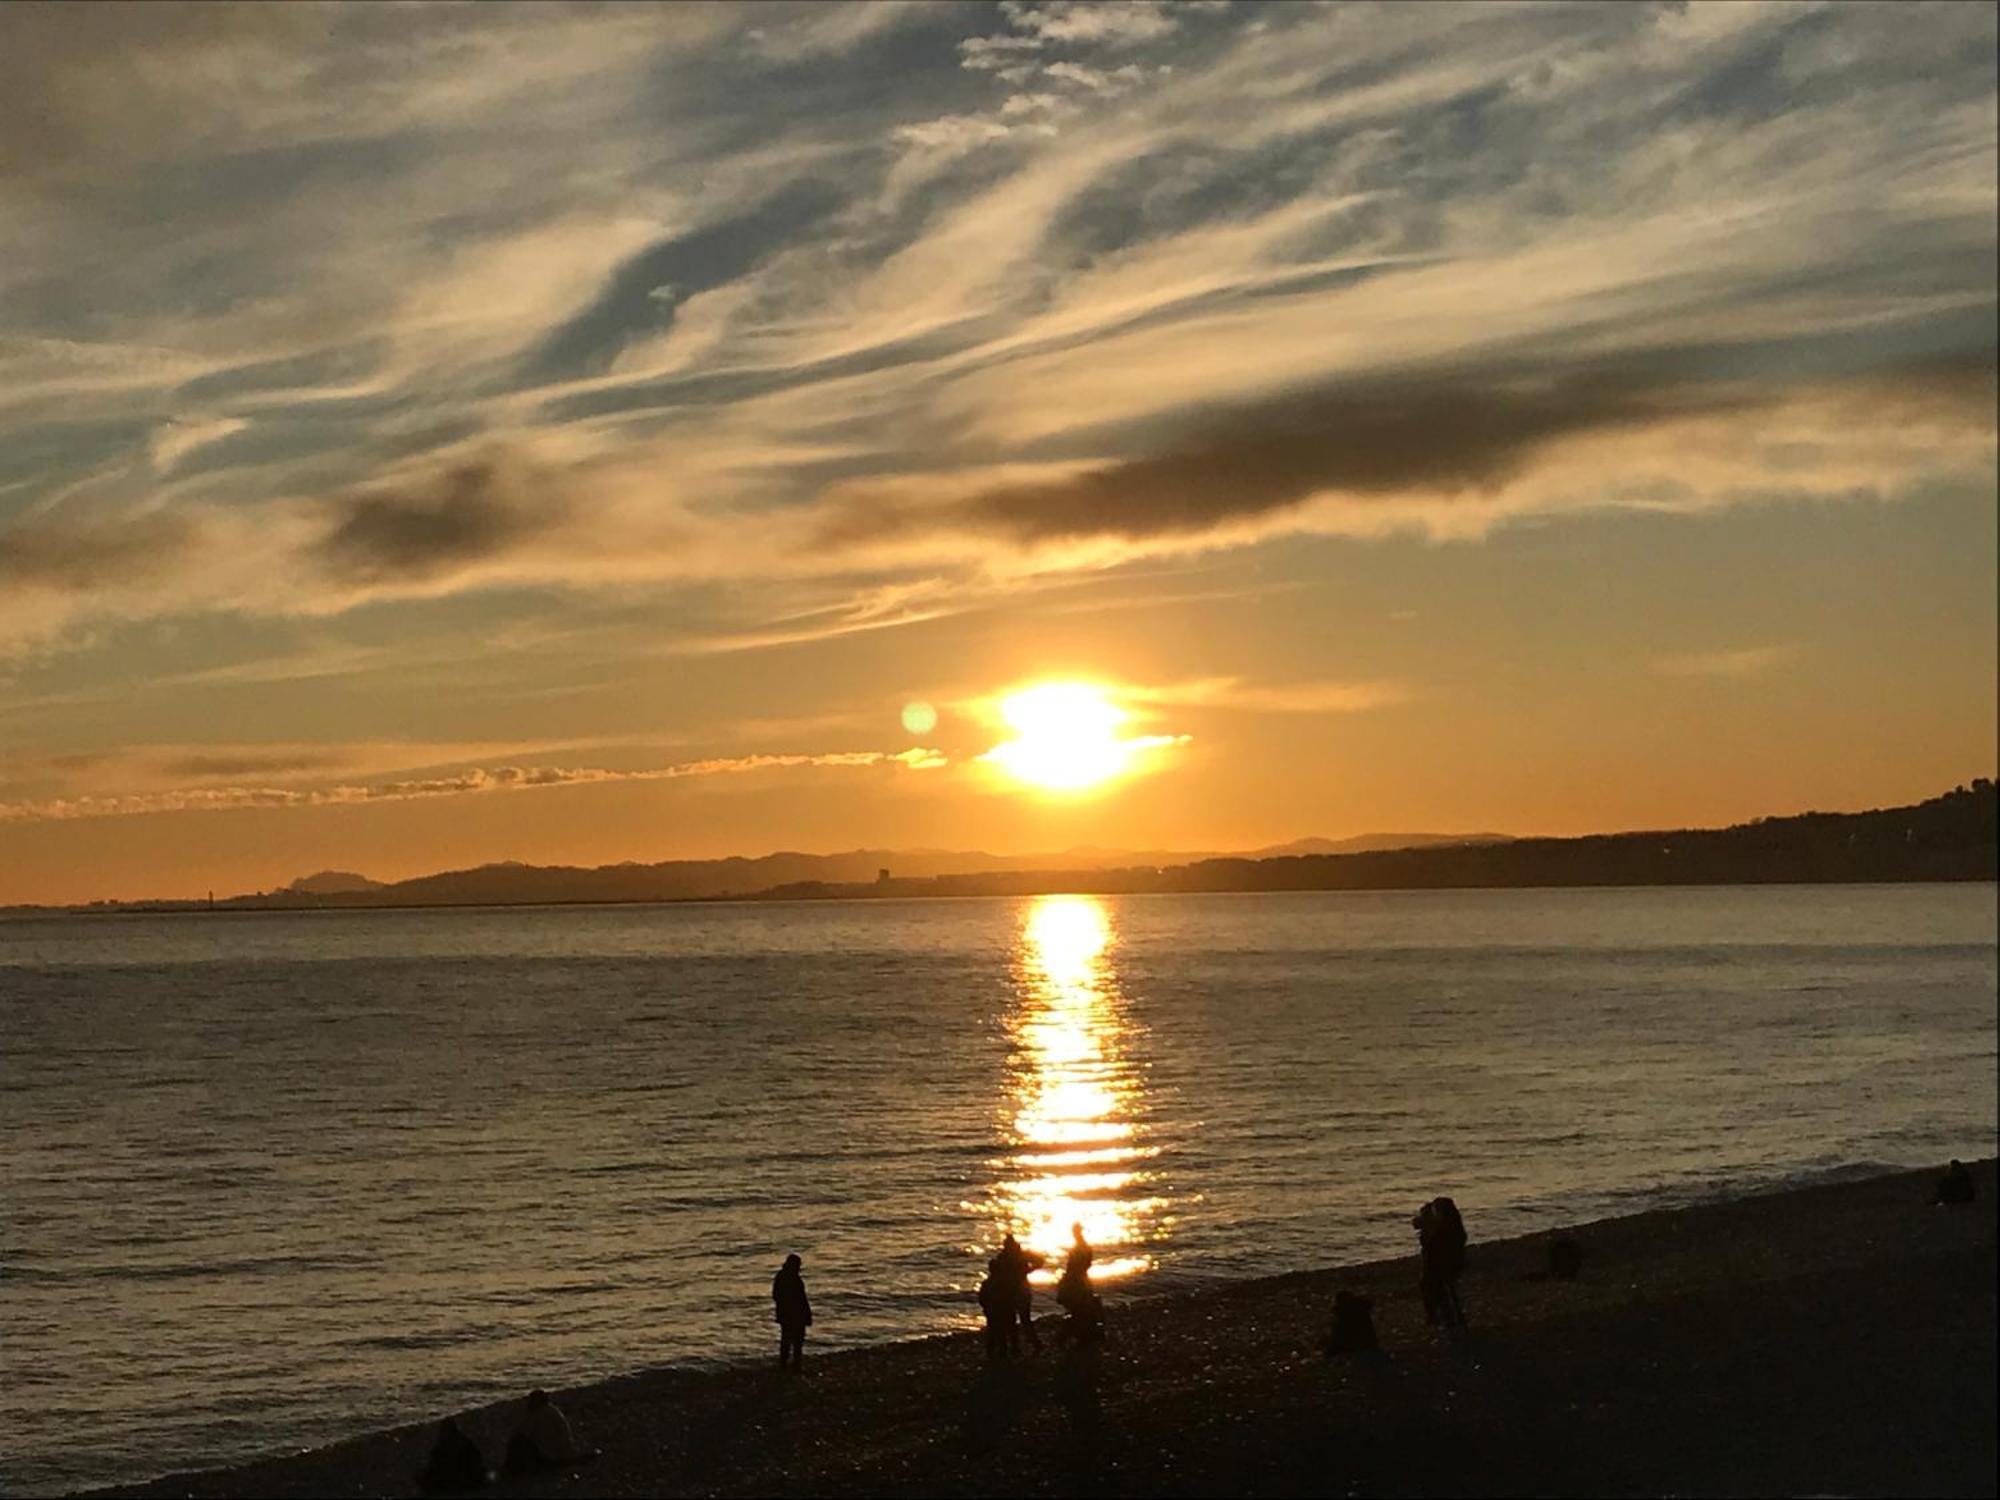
{"x":1946,"y":838}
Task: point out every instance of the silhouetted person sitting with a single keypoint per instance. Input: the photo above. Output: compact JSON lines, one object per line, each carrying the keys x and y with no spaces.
{"x":455,"y":1462}
{"x":1012,"y":1266}
{"x":1074,"y":1293}
{"x":1565,"y":1258}
{"x":997,"y":1303}
{"x":1353,"y":1325}
{"x":541,"y":1439}
{"x":793,"y":1311}
{"x":1441,"y":1240}
{"x":1956,"y":1184}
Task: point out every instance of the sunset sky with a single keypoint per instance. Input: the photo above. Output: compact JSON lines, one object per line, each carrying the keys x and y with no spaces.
{"x":432,"y":435}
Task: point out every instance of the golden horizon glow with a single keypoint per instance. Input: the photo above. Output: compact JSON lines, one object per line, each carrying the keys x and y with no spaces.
{"x":1077,"y":1156}
{"x":1067,"y":739}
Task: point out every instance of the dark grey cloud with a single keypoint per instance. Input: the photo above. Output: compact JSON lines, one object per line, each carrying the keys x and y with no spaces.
{"x":1452,"y":432}
{"x":442,"y":522}
{"x":65,"y":554}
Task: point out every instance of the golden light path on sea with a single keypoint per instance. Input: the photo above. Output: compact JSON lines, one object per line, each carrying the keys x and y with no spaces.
{"x":1076,"y":1153}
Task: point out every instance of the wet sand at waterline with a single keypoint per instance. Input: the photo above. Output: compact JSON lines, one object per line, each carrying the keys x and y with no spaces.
{"x":1835,"y":1339}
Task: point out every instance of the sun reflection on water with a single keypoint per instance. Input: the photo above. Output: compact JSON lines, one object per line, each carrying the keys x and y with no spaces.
{"x":1076,"y":1150}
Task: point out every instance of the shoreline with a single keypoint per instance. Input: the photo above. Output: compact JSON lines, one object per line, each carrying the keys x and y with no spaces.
{"x":240,"y":906}
{"x":1832,"y":1338}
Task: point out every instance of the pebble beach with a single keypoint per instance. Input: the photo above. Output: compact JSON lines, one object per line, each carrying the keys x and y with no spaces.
{"x":1826,"y":1340}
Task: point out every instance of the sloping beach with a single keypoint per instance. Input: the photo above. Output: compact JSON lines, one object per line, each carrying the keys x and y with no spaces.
{"x":1835,"y":1339}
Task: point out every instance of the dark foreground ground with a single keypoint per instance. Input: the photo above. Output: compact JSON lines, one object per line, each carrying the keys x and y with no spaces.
{"x":1834,"y":1340}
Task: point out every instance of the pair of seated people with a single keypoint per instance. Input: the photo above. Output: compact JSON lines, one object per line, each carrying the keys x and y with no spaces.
{"x":541,"y":1440}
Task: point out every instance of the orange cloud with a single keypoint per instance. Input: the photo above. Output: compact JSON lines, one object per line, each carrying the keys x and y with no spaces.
{"x":462,"y":783}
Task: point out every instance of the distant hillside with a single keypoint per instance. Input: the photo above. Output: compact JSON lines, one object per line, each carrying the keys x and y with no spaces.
{"x":512,"y":884}
{"x":1947,"y":838}
{"x":332,"y":883}
{"x":1368,"y":842}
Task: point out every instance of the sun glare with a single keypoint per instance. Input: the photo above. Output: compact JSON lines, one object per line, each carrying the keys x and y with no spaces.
{"x":1079,"y":1153}
{"x":1065,"y":738}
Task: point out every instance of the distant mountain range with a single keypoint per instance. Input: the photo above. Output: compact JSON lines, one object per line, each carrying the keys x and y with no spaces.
{"x":512,"y":883}
{"x":1951,"y":837}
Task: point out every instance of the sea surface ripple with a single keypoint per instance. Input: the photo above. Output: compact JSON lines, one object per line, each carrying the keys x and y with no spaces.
{"x":271,"y":1180}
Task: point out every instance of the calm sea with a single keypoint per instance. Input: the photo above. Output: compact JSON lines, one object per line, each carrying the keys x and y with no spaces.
{"x":272,"y":1180}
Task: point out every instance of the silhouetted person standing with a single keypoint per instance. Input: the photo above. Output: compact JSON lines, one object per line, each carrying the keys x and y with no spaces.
{"x":794,"y":1313}
{"x":1074,"y":1293}
{"x":1441,"y":1241}
{"x":996,"y":1302}
{"x":1013,"y":1265}
{"x":1081,"y":1256}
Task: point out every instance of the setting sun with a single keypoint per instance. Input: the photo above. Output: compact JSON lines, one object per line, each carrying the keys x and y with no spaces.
{"x":1066,"y":737}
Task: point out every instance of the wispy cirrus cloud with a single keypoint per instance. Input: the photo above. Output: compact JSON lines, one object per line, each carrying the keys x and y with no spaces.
{"x":473,"y":781}
{"x":1732,"y":662}
{"x":1278,"y":698}
{"x":367,"y":306}
{"x":1121,"y":23}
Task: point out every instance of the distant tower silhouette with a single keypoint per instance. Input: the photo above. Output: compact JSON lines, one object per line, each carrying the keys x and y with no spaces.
{"x":881,"y":877}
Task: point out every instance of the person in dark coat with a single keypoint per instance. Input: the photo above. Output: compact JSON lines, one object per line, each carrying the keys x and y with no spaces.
{"x":794,"y":1313}
{"x":997,"y":1304}
{"x":1441,"y":1242}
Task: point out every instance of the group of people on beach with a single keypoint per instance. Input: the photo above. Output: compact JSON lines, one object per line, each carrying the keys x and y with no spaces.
{"x":541,"y":1438}
{"x":1006,"y":1293}
{"x":1008,"y":1300}
{"x":1441,"y":1251}
{"x":1006,"y":1296}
